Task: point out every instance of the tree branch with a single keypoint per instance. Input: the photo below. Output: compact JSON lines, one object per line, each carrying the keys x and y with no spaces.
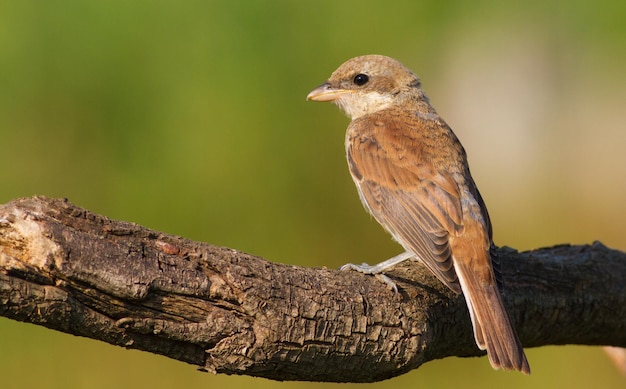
{"x":68,"y":269}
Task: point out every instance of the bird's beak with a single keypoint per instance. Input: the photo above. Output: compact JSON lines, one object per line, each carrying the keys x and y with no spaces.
{"x":325,"y":92}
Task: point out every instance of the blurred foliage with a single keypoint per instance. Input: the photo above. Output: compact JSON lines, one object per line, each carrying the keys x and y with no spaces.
{"x":190,"y":118}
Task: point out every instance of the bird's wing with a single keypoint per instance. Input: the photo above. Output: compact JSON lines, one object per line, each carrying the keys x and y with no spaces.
{"x":419,"y":205}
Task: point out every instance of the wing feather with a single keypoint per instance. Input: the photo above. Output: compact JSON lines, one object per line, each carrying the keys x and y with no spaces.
{"x":418,"y":205}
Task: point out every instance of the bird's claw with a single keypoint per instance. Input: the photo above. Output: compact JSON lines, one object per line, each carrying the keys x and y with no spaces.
{"x":362,"y":268}
{"x":373,"y":270}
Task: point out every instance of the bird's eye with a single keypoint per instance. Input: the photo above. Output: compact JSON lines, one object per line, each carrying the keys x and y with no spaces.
{"x":361,"y":79}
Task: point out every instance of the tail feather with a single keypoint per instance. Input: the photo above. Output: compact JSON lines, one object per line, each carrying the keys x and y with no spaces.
{"x":492,"y":327}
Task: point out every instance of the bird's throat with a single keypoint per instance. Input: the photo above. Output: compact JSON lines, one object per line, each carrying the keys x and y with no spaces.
{"x":358,"y":104}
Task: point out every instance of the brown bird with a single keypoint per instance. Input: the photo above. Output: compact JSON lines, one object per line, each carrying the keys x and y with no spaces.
{"x":412,"y":175}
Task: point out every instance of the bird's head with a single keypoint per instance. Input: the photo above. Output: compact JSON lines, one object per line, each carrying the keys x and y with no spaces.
{"x":367,"y":84}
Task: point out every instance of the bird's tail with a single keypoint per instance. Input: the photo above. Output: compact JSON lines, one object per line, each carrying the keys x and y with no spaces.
{"x":492,"y":327}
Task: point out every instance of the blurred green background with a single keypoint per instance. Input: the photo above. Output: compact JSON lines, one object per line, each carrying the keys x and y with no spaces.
{"x":190,"y":117}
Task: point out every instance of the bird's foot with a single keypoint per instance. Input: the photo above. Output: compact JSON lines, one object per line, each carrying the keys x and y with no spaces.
{"x":373,"y":270}
{"x":378,"y":269}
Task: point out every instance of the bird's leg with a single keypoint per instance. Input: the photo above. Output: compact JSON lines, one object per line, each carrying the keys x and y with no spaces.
{"x":379,"y":268}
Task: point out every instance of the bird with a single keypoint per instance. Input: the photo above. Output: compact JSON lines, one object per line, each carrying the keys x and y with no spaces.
{"x":412,"y":176}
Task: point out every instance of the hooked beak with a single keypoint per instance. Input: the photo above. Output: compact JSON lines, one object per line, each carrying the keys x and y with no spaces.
{"x":325,"y":92}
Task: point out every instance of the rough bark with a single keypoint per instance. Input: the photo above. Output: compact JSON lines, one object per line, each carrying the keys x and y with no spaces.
{"x":68,"y":269}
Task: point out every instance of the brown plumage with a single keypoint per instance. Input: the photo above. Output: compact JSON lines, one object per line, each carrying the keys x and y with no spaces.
{"x":412,"y":176}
